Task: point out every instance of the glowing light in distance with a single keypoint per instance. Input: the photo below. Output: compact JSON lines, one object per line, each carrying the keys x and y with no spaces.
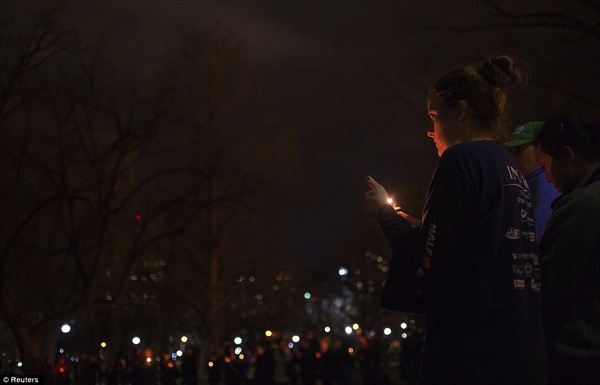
{"x":65,"y":328}
{"x":387,"y":331}
{"x":390,"y":200}
{"x":342,"y":271}
{"x":241,"y":356}
{"x":102,"y":344}
{"x":19,"y":365}
{"x":307,"y":295}
{"x":238,"y":350}
{"x":136,"y":340}
{"x":404,"y":335}
{"x":348,"y":330}
{"x":184,"y":339}
{"x":327,"y":329}
{"x":403,"y":325}
{"x":211,"y":364}
{"x":355,"y":327}
{"x":268,"y":333}
{"x":237,"y":341}
{"x":148,"y":360}
{"x":295,"y":338}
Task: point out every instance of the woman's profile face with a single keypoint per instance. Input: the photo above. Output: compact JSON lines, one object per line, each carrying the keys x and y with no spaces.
{"x":443,"y":124}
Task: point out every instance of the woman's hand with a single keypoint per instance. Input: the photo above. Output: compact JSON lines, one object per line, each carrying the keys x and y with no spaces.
{"x":414,"y":223}
{"x":376,"y":198}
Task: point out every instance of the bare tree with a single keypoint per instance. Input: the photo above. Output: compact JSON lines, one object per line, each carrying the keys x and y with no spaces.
{"x":84,"y":196}
{"x":26,"y":47}
{"x":559,"y":41}
{"x":242,"y":155}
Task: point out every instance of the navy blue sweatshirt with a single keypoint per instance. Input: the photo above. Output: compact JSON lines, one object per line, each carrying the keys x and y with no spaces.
{"x":473,"y":268}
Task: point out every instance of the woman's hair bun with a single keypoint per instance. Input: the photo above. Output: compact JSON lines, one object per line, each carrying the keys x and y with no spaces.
{"x":502,"y":71}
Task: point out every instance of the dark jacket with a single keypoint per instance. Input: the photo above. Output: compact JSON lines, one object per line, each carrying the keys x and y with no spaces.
{"x":570,"y":252}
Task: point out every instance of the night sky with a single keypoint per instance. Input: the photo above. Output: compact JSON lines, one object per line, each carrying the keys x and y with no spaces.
{"x":351,"y":78}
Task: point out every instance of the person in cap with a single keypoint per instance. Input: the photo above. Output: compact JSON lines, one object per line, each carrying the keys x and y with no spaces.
{"x":522,"y":147}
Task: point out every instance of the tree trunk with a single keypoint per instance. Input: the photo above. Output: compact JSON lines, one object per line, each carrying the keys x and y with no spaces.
{"x":213,"y":308}
{"x":29,"y":344}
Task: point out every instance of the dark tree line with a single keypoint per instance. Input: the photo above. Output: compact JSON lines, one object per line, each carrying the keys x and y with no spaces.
{"x":102,"y":173}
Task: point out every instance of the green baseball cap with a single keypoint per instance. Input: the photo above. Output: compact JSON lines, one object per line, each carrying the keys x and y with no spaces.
{"x":524,"y":134}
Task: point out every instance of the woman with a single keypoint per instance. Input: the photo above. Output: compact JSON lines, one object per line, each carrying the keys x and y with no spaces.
{"x":474,"y":257}
{"x":568,"y":149}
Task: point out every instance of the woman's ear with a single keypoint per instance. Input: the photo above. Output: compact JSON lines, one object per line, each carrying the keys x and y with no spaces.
{"x":461,"y":109}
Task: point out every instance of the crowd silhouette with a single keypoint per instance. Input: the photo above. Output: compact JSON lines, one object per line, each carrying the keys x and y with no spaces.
{"x":364,"y":359}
